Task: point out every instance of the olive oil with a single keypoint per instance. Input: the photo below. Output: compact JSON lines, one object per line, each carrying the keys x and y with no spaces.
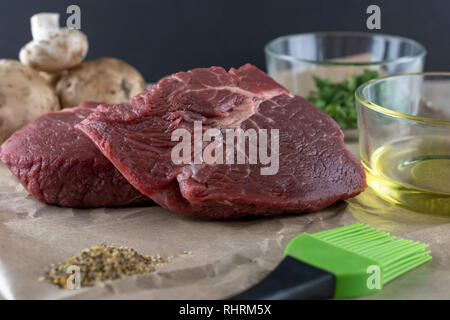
{"x":413,"y":172}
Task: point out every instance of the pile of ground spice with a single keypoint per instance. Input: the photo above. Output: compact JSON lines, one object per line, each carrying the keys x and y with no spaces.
{"x":102,"y":263}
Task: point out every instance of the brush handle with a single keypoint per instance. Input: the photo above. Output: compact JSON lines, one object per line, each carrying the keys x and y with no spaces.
{"x":292,"y":279}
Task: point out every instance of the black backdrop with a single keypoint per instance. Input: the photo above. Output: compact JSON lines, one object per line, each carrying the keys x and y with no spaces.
{"x":160,"y":37}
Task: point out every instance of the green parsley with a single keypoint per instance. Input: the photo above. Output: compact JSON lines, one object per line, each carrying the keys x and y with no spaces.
{"x":337,"y":99}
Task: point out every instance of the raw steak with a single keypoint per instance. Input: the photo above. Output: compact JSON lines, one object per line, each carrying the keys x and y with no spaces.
{"x":315,"y":169}
{"x":61,"y":166}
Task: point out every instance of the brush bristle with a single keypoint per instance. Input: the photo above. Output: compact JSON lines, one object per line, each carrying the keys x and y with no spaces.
{"x":395,"y":256}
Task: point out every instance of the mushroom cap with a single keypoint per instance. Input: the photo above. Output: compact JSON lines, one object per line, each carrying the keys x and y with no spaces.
{"x":108,"y":80}
{"x":61,"y":50}
{"x":24,"y":95}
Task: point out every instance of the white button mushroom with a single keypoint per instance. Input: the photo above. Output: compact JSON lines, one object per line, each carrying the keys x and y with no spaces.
{"x":53,"y":49}
{"x":106,"y":80}
{"x":24,"y":95}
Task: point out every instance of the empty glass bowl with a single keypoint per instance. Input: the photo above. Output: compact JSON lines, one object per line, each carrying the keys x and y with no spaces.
{"x":404,"y":139}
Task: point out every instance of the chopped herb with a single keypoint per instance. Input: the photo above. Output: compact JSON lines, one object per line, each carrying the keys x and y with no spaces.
{"x":337,"y":98}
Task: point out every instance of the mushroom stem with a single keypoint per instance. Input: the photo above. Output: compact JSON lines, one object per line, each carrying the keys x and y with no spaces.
{"x":42,"y":24}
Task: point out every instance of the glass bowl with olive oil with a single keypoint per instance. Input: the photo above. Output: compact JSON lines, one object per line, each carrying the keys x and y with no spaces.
{"x":404,"y":139}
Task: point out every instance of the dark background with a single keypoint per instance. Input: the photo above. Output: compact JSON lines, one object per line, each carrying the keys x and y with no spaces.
{"x":160,"y":37}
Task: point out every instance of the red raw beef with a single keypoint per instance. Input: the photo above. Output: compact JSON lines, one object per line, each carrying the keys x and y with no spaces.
{"x":61,"y":166}
{"x":315,"y":168}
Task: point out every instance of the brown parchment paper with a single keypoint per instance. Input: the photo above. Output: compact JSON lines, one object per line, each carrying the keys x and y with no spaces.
{"x":227,"y":256}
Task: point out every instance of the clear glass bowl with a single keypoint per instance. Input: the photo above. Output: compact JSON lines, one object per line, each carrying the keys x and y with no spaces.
{"x":404,"y":139}
{"x":293,"y":60}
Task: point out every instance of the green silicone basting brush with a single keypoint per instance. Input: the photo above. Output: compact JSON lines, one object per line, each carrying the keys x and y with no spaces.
{"x":339,"y":263}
